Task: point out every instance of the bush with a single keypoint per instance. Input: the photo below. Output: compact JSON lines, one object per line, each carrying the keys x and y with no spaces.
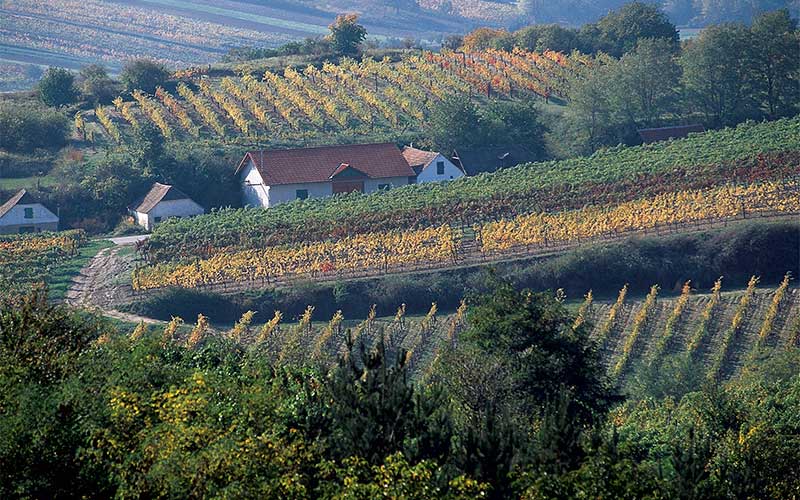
{"x":57,"y":87}
{"x":143,"y":74}
{"x":26,"y":127}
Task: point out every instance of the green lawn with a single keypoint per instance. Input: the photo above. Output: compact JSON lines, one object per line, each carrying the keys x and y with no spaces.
{"x":14,"y":183}
{"x":60,"y":277}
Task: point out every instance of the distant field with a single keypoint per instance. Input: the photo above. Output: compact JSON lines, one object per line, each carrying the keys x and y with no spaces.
{"x":180,"y":33}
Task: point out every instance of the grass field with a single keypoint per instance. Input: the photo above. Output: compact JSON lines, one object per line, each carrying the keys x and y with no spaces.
{"x":180,"y":33}
{"x":60,"y":275}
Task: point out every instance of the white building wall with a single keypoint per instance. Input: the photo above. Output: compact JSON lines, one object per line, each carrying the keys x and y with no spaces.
{"x":167,"y":209}
{"x":429,"y":174}
{"x":288,"y":192}
{"x":43,"y":219}
{"x":254,"y":192}
{"x":371,"y":185}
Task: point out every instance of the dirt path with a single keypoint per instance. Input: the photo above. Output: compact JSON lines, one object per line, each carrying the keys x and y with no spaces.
{"x":101,"y":285}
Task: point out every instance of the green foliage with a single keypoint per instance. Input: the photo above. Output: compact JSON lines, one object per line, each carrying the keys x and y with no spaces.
{"x":621,"y":30}
{"x":27,"y":127}
{"x":144,"y":75}
{"x":546,"y":357}
{"x":57,"y":87}
{"x":96,"y":86}
{"x":346,"y":35}
{"x":89,"y":411}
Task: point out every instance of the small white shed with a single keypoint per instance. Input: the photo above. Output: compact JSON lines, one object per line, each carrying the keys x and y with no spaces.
{"x":431,"y":166}
{"x":162,"y":202}
{"x":22,"y":214}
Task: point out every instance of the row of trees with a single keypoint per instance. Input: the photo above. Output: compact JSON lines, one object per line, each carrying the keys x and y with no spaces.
{"x":616,"y":33}
{"x":515,"y":404}
{"x":728,"y":74}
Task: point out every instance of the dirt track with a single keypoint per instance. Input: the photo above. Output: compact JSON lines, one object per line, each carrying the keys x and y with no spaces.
{"x":101,"y":285}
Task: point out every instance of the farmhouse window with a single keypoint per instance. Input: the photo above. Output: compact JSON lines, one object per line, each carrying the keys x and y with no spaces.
{"x":157,"y":220}
{"x":29,"y":213}
{"x":302,"y":194}
{"x":439,"y":168}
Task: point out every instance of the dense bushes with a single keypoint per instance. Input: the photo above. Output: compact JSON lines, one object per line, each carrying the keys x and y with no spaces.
{"x":738,"y":252}
{"x":27,"y":127}
{"x":87,"y":411}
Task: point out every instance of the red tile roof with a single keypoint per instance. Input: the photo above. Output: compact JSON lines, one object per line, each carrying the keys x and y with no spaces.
{"x":297,"y":166}
{"x":418,"y":157}
{"x":158,"y":193}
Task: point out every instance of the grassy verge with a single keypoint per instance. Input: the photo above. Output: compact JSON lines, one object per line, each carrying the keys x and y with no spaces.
{"x":16,"y":183}
{"x":60,"y":276}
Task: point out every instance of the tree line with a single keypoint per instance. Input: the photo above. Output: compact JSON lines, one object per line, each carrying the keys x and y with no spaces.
{"x":514,"y":404}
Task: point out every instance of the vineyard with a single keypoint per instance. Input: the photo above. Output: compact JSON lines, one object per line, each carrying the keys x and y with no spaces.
{"x":751,"y":172}
{"x":27,"y":259}
{"x":347,"y":98}
{"x":720,"y":331}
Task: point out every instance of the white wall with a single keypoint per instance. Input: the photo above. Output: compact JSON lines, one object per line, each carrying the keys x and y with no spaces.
{"x":43,"y":219}
{"x":254,"y":192}
{"x":371,"y":185}
{"x":288,"y":192}
{"x":167,"y":209}
{"x":429,"y":174}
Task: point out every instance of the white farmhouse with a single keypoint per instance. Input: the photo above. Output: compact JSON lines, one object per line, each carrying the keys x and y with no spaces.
{"x":271,"y":177}
{"x":162,"y":202}
{"x":431,"y":166}
{"x":22,"y":214}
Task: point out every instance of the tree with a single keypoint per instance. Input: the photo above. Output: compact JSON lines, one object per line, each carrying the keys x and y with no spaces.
{"x":376,"y":411}
{"x":621,"y":30}
{"x":776,"y":43}
{"x":143,"y":74}
{"x":147,"y":148}
{"x":57,"y":87}
{"x":588,"y":122}
{"x":346,"y":34}
{"x":453,"y":42}
{"x":454,"y":122}
{"x":514,"y":122}
{"x":30,"y":126}
{"x":718,"y":74}
{"x":646,"y":83}
{"x":95,"y":84}
{"x":482,"y":38}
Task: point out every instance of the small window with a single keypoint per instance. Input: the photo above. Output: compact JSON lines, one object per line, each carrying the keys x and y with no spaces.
{"x":29,"y":213}
{"x":157,"y":220}
{"x":384,"y":187}
{"x":301,"y":194}
{"x":439,"y":168}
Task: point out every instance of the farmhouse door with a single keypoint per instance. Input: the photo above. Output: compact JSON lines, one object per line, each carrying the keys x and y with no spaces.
{"x":348,"y":186}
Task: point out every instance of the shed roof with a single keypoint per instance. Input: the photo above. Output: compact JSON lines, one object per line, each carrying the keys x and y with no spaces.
{"x":158,"y":193}
{"x":491,"y":158}
{"x":298,"y":166}
{"x":23,"y":197}
{"x":649,"y":135}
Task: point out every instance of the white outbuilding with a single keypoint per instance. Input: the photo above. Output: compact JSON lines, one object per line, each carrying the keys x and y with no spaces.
{"x":23,"y":214}
{"x":162,"y":202}
{"x":431,"y":166}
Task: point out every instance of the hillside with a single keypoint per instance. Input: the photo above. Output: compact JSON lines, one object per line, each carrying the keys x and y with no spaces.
{"x":335,"y":103}
{"x":712,"y":177}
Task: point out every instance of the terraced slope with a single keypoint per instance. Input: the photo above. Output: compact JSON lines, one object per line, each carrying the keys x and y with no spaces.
{"x":784,"y":332}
